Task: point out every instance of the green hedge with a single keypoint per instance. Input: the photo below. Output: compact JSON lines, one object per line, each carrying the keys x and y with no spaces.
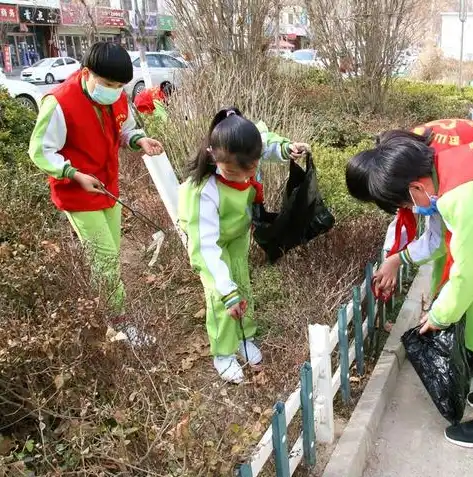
{"x":330,"y":163}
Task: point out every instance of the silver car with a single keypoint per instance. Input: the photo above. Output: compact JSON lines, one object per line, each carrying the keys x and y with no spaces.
{"x":163,"y":66}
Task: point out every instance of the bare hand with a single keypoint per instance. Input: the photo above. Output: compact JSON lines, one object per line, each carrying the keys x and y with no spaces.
{"x":427,"y":325}
{"x":238,"y":310}
{"x":89,"y":183}
{"x":385,"y":278}
{"x":150,"y":146}
{"x":297,"y":149}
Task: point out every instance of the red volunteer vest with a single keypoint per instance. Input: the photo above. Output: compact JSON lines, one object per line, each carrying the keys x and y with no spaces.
{"x":454,"y":167}
{"x":447,"y":133}
{"x":91,"y":145}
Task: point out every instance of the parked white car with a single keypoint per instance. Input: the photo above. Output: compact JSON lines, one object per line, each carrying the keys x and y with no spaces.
{"x":27,"y":94}
{"x":306,"y":57}
{"x":50,"y":70}
{"x":163,"y":66}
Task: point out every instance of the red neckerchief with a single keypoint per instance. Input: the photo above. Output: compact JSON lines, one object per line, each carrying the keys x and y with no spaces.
{"x":252,"y":182}
{"x":405,"y":218}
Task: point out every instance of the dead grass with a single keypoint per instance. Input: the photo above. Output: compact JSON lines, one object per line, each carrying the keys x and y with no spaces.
{"x":76,"y":404}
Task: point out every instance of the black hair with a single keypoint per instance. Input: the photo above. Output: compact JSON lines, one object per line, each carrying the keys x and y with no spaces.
{"x":363,"y":168}
{"x":229,"y":134}
{"x":109,"y":61}
{"x":382,"y":175}
{"x":168,"y":89}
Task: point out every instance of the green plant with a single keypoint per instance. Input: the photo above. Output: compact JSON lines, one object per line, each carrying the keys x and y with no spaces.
{"x":331,"y":163}
{"x":16,"y":126}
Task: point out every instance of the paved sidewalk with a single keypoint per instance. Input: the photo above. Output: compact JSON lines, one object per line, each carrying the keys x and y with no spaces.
{"x":411,"y":441}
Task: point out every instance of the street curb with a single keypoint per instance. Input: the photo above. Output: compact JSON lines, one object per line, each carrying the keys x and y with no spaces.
{"x":357,"y":441}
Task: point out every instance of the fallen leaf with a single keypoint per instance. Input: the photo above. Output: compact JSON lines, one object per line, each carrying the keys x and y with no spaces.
{"x":236,"y":450}
{"x":188,"y":362}
{"x":235,"y":428}
{"x":61,"y":379}
{"x":6,"y":445}
{"x":257,"y":410}
{"x":354,"y":379}
{"x":388,"y":326}
{"x":200,"y":314}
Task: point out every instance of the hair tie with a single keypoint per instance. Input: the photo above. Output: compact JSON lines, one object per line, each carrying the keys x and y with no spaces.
{"x":231,"y":112}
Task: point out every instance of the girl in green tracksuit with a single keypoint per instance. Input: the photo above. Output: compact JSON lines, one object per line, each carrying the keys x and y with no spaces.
{"x":215,"y":206}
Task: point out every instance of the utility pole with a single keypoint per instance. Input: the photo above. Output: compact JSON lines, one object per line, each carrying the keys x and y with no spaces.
{"x":463,"y":16}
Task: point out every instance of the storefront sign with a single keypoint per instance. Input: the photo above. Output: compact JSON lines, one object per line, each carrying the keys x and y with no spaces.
{"x":165,"y":22}
{"x":111,"y":17}
{"x":9,"y":14}
{"x":7,"y":66}
{"x":73,"y":14}
{"x":40,"y":15}
{"x":34,"y":3}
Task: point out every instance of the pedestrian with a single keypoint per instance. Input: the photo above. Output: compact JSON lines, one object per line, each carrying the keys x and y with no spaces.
{"x":155,"y":100}
{"x":411,"y":173}
{"x":80,"y":128}
{"x":215,"y":213}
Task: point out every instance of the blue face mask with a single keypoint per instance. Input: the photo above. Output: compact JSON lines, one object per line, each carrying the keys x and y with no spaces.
{"x":426,"y":211}
{"x":104,"y":95}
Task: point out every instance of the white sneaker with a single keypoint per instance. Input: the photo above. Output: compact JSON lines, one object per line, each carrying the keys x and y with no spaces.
{"x":135,"y":337}
{"x":229,"y":369}
{"x":254,"y":354}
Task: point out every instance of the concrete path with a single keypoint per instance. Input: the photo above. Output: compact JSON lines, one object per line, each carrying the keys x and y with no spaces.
{"x":411,"y":441}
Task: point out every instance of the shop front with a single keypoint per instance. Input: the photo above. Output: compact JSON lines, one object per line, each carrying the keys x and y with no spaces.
{"x":9,"y":20}
{"x":77,"y":31}
{"x":38,"y":27}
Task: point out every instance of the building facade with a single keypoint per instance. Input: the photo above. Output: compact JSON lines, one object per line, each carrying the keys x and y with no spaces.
{"x":35,"y":29}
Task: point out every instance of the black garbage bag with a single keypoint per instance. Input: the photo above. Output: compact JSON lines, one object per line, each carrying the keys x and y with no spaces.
{"x":302,"y":217}
{"x":440,"y":360}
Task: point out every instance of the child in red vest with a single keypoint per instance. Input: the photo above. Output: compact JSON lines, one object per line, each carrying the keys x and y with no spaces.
{"x":154,"y":100}
{"x":80,"y":128}
{"x":430,"y":175}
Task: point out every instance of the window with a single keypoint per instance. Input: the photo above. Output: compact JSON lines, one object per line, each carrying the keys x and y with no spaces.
{"x":170,"y":62}
{"x":152,"y":6}
{"x":290,"y":18}
{"x":103,"y":3}
{"x":153,"y":61}
{"x":127,"y":5}
{"x":70,"y":61}
{"x":59,"y":62}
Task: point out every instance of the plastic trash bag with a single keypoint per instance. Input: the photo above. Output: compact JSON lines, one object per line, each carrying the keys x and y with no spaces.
{"x":440,"y":360}
{"x":302,"y":217}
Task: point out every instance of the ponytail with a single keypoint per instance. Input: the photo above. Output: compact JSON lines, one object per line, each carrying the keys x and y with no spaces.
{"x":203,"y":162}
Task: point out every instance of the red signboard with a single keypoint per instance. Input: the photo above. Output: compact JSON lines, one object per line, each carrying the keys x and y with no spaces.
{"x":73,"y":14}
{"x":76,"y":14}
{"x":111,"y":17}
{"x":9,"y":14}
{"x":7,"y":66}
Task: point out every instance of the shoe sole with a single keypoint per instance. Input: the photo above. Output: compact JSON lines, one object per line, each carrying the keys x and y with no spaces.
{"x":467,"y":445}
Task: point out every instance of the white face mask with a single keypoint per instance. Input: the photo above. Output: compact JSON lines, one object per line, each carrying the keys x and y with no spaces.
{"x":105,"y":95}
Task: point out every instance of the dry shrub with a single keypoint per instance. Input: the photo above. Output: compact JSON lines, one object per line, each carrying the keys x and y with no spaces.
{"x":259,"y":91}
{"x":429,"y":66}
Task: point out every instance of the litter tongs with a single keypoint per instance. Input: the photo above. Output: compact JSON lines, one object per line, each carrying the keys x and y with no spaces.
{"x":134,"y":212}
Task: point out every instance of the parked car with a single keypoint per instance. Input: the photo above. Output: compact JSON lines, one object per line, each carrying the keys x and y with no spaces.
{"x":306,"y":57}
{"x":26,"y":94}
{"x":162,"y":67}
{"x":50,"y":70}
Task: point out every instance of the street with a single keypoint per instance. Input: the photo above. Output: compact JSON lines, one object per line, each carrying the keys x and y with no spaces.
{"x":44,"y":88}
